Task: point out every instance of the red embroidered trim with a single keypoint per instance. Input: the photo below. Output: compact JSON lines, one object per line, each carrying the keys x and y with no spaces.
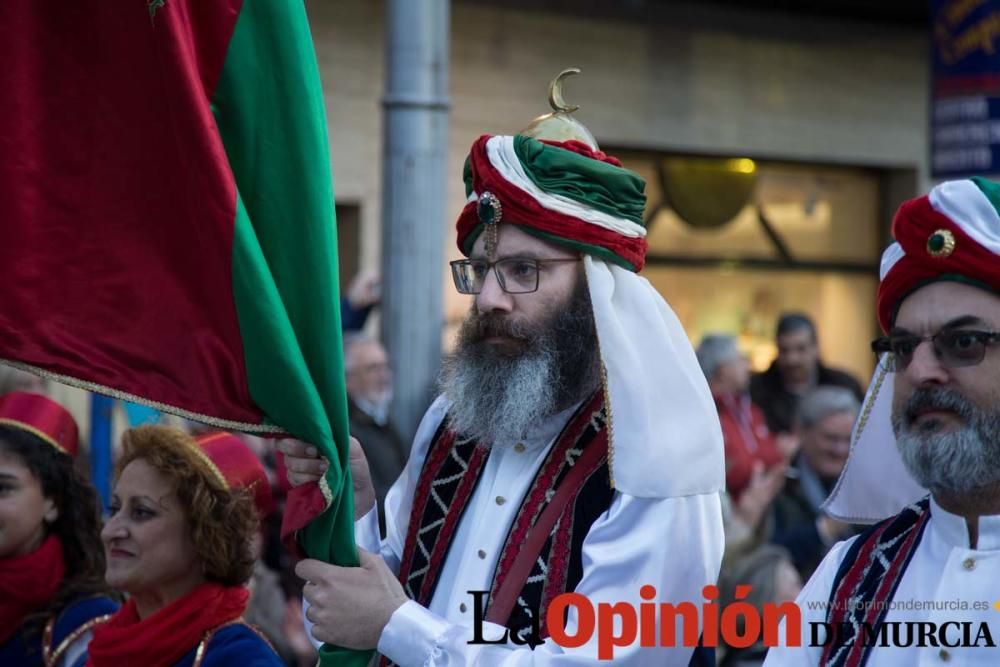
{"x":852,"y":580}
{"x":558,"y":565}
{"x":857,"y":650}
{"x":536,"y":497}
{"x":428,"y":474}
{"x":857,"y":572}
{"x":555,"y":581}
{"x":443,"y":540}
{"x":850,"y":583}
{"x":546,"y":479}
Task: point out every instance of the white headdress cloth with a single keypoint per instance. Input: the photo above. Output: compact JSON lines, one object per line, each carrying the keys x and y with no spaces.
{"x":665,"y":435}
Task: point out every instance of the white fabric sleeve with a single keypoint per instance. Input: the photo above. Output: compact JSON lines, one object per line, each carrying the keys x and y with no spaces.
{"x":812,"y":602}
{"x":673,"y":544}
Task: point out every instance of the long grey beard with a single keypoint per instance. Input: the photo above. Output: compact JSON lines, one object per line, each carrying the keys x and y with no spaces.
{"x":961,"y":461}
{"x":496,"y":399}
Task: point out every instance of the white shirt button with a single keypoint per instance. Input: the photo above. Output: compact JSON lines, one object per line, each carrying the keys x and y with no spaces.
{"x":462,"y":607}
{"x":969,"y":563}
{"x":944,"y":655}
{"x":519,"y":447}
{"x":482,"y":554}
{"x":501,"y":500}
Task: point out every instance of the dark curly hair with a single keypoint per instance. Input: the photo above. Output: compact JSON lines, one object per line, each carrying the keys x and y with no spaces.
{"x":78,"y":525}
{"x":221,"y":522}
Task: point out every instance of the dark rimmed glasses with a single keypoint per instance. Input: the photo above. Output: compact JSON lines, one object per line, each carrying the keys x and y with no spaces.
{"x":516,"y":275}
{"x":955,"y":348}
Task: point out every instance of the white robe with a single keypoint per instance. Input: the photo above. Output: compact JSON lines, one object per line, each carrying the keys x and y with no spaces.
{"x":674,"y":544}
{"x":944,"y":571}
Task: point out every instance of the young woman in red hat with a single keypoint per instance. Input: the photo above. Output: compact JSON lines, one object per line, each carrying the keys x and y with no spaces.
{"x":52,"y":589}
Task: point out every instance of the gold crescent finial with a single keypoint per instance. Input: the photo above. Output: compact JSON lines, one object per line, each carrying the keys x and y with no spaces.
{"x":556,"y":100}
{"x":560,"y":124}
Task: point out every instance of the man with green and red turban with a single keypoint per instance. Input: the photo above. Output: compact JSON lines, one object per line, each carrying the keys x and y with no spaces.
{"x":575,"y":446}
{"x":922,"y":585}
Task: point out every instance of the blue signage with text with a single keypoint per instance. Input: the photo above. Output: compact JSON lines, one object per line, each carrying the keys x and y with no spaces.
{"x":965,"y":88}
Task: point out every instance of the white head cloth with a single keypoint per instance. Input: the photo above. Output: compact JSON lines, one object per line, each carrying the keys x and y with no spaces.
{"x":665,"y":435}
{"x":875,"y":483}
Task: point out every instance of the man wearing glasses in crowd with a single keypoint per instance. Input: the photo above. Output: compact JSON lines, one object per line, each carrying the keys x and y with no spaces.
{"x":575,"y":446}
{"x":922,"y":585}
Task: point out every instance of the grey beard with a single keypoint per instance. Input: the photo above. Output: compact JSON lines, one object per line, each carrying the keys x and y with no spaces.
{"x":496,"y":399}
{"x":961,"y":461}
{"x":376,"y":407}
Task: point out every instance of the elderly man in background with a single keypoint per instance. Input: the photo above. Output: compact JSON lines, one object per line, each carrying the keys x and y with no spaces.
{"x":825,"y":419}
{"x":369,"y":395}
{"x":755,"y":466}
{"x":749,"y":444}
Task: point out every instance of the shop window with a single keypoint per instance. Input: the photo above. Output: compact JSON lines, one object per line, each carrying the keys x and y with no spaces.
{"x":735,"y":242}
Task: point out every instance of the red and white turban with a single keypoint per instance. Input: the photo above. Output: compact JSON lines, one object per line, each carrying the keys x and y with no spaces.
{"x":952,"y":233}
{"x":564,"y":192}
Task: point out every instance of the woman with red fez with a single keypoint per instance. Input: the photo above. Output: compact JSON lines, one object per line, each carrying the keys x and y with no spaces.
{"x":179,"y":542}
{"x":52,"y":589}
{"x":240,"y":466}
{"x":277,"y":617}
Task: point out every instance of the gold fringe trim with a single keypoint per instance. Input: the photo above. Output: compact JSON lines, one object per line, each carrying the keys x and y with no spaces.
{"x":199,"y":655}
{"x":213,"y":469}
{"x":324,"y":487}
{"x":51,"y":658}
{"x":611,"y":423}
{"x":196,"y":446}
{"x":224,"y":424}
{"x":870,"y":403}
{"x":607,"y":401}
{"x":35,"y":432}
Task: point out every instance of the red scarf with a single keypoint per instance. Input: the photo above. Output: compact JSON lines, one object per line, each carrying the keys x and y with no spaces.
{"x":165,"y":637}
{"x":27,"y":583}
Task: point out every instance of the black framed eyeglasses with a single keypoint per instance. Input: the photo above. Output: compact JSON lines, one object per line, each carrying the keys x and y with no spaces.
{"x":516,"y":275}
{"x":955,"y":348}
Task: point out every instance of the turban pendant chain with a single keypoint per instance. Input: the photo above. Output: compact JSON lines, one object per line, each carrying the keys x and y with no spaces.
{"x":490,"y":212}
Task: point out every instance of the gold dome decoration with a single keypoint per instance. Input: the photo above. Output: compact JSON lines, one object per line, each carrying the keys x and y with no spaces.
{"x":560,"y":124}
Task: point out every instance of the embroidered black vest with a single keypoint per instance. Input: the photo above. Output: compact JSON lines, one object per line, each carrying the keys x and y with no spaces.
{"x":870,"y":572}
{"x":447,"y":481}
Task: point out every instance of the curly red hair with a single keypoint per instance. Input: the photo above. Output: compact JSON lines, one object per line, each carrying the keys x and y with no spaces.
{"x":222,"y":521}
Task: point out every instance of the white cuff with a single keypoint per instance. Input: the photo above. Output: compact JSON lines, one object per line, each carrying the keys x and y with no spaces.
{"x":366,"y":533}
{"x":413,"y":635}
